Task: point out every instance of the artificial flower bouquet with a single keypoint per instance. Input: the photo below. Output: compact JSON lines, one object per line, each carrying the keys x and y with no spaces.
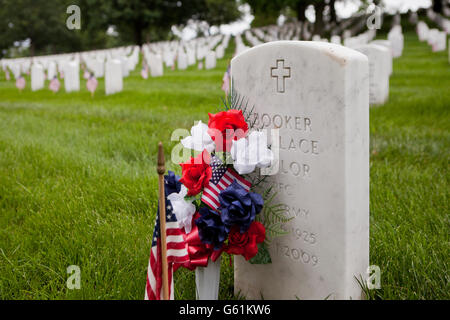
{"x":213,"y":201}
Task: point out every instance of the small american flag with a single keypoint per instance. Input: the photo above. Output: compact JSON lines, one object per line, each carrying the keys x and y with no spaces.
{"x":177,"y":255}
{"x":144,"y":72}
{"x":91,"y":84}
{"x":54,"y":84}
{"x":222,"y":177}
{"x":20,"y":83}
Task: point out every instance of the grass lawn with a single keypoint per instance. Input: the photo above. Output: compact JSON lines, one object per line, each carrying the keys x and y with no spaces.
{"x":78,"y":181}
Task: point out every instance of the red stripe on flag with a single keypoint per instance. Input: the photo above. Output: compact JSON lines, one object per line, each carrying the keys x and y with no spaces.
{"x":238,"y":177}
{"x":174,"y":232}
{"x":176,"y":245}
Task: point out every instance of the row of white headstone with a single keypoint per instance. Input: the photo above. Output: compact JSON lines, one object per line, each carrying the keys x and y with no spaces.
{"x":441,"y":21}
{"x":185,"y":53}
{"x":115,"y":64}
{"x":71,"y":72}
{"x":379,"y":52}
{"x":434,"y":37}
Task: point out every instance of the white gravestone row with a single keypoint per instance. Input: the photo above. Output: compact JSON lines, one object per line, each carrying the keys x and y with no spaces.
{"x":292,"y":31}
{"x":323,"y":167}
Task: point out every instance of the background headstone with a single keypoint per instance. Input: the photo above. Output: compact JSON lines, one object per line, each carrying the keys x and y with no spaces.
{"x":37,"y":77}
{"x":379,"y":57}
{"x":72,"y":76}
{"x":113,"y":76}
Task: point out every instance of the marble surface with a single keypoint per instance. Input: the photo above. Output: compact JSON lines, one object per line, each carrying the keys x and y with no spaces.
{"x":113,"y":76}
{"x":72,"y":76}
{"x":210,"y":60}
{"x":379,"y":58}
{"x":37,"y":77}
{"x":387,"y":44}
{"x":317,"y":95}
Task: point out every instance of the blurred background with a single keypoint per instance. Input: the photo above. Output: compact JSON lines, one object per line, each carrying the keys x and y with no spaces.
{"x":38,"y":27}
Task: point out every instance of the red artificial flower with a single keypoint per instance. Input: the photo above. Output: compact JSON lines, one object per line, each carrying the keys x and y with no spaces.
{"x":226,"y":126}
{"x":245,"y":243}
{"x":196,"y":173}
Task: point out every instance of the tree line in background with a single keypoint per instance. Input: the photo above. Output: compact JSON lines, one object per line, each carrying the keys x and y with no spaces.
{"x":43,"y":22}
{"x":105,"y":24}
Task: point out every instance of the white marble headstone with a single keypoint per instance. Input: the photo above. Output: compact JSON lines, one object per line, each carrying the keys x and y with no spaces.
{"x":396,"y":40}
{"x":220,"y":52}
{"x":210,"y":60}
{"x":113,"y":76}
{"x":72,"y":76}
{"x":387,"y":44}
{"x":15,"y":68}
{"x":317,"y":95}
{"x":379,"y":58}
{"x":440,"y":42}
{"x":37,"y":77}
{"x":155,"y":64}
{"x":51,"y":70}
{"x":432,"y":35}
{"x":335,"y":39}
{"x":422,"y":31}
{"x":182,"y":60}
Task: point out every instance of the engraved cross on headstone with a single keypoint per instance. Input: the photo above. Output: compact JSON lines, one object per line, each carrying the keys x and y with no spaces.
{"x":280,"y":72}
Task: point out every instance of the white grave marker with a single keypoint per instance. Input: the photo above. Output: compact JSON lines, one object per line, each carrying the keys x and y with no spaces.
{"x":37,"y":77}
{"x":72,"y":76}
{"x":379,"y":57}
{"x":386,"y":44}
{"x":113,"y":76}
{"x":317,"y":95}
{"x":210,"y":60}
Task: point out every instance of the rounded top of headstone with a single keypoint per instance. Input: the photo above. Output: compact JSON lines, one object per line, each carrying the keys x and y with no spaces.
{"x":371,"y":46}
{"x":336,"y":52}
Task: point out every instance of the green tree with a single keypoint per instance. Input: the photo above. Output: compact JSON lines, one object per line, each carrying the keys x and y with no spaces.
{"x":41,"y":21}
{"x":266,"y":12}
{"x":151,"y":20}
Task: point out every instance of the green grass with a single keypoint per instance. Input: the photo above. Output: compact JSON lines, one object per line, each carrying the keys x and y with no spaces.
{"x":78,"y":181}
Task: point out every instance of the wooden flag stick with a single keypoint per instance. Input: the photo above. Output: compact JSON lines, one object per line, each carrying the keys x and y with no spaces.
{"x":162,"y":221}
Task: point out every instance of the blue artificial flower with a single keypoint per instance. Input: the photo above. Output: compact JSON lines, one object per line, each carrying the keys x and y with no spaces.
{"x":210,"y":228}
{"x":239,"y":207}
{"x":172,"y":183}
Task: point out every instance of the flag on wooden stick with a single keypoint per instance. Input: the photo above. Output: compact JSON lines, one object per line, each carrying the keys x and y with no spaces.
{"x":176,"y":255}
{"x":169,"y":249}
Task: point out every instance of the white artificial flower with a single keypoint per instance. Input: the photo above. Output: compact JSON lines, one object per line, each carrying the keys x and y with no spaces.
{"x":183,"y":210}
{"x":251,"y":152}
{"x":199,"y":139}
